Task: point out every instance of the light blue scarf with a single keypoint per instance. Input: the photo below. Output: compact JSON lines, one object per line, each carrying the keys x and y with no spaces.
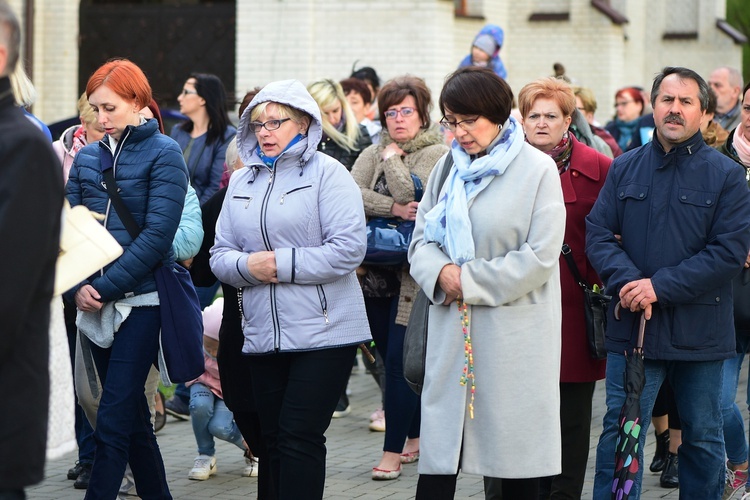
{"x":448,"y":223}
{"x":270,"y":161}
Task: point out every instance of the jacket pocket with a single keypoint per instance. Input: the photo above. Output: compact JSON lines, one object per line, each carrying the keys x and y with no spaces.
{"x":637,"y":192}
{"x":695,"y":325}
{"x":292,"y":192}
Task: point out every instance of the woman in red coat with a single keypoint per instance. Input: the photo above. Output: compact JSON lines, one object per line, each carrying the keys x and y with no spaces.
{"x":546,"y":107}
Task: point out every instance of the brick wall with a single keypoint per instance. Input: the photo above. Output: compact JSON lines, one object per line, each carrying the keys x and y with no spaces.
{"x":311,"y":39}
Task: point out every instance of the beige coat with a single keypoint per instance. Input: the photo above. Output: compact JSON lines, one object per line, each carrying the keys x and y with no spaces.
{"x":422,"y":153}
{"x":513,"y":289}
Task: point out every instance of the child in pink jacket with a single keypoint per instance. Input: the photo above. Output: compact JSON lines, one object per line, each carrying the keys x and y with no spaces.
{"x":209,"y":415}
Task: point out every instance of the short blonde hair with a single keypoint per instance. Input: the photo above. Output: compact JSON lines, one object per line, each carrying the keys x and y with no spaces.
{"x":547,"y":88}
{"x":297,"y":116}
{"x":85,"y":111}
{"x":587,"y":98}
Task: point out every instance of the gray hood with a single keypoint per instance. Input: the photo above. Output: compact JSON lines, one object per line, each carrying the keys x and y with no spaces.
{"x":291,"y":93}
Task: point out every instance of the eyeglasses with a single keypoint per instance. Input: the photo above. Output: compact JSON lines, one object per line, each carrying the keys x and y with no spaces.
{"x":623,"y":103}
{"x":188,"y":92}
{"x":269,"y":125}
{"x":467,"y":125}
{"x":391,"y":114}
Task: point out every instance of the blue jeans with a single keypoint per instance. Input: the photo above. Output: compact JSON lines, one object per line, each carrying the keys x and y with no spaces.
{"x":402,"y":411}
{"x":696,"y":386}
{"x":211,"y":418}
{"x":123,"y":423}
{"x":734,"y":425}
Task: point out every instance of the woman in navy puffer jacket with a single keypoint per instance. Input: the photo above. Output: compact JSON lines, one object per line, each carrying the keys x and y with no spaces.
{"x":118,"y":308}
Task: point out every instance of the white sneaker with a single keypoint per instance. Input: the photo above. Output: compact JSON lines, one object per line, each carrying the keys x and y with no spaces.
{"x":203,"y":468}
{"x":251,"y":467}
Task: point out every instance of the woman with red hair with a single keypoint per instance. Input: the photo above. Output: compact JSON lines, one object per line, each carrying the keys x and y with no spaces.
{"x":630,"y":127}
{"x":119,"y":306}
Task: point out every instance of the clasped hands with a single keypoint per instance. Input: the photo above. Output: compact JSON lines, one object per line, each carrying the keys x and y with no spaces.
{"x":262,"y":265}
{"x":449,"y":281}
{"x":638,"y":295}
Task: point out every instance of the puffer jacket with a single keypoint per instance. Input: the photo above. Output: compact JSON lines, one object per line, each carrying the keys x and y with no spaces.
{"x":64,"y":149}
{"x":308,"y":210}
{"x":345,"y":156}
{"x":152,"y":180}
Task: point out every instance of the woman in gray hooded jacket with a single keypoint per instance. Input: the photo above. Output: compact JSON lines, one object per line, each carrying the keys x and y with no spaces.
{"x":290,"y":236}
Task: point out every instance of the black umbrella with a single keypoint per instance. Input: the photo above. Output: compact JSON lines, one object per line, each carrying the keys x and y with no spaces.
{"x":627,"y":460}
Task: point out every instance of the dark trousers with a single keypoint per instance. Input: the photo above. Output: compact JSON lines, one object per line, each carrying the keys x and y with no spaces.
{"x":575,"y":423}
{"x":296,"y":394}
{"x":443,"y":487}
{"x":249,"y":425}
{"x":402,"y":412}
{"x":12,"y":495}
{"x":123,"y":422}
{"x":84,"y":431}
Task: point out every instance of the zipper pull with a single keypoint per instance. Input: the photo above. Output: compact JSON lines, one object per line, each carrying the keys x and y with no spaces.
{"x":270,"y":179}
{"x":325,"y":315}
{"x":282,"y":198}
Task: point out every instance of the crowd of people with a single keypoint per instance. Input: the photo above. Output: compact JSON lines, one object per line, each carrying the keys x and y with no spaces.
{"x":513,"y":201}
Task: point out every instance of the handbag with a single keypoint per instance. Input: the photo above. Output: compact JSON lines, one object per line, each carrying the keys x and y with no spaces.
{"x":741,"y":294}
{"x":388,"y":238}
{"x":181,"y":337}
{"x":595,"y":309}
{"x":415,"y":337}
{"x":85,"y":247}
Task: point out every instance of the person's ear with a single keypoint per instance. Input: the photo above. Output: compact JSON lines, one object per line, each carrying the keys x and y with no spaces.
{"x":3,"y":59}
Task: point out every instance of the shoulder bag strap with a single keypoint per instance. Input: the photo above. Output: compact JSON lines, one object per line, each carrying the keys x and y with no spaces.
{"x":122,"y":210}
{"x":566,"y":252}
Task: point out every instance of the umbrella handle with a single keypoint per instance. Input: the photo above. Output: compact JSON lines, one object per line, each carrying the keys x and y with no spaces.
{"x":641,"y":330}
{"x":641,"y":325}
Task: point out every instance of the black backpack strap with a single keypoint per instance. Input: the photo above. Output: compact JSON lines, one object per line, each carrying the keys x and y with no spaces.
{"x":111,"y":185}
{"x":566,"y":252}
{"x":447,"y":164}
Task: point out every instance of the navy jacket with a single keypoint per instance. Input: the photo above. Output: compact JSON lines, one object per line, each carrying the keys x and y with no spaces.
{"x":684,"y":217}
{"x":152,"y":181}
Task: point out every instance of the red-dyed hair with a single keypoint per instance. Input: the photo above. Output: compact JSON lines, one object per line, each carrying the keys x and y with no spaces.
{"x":157,"y":114}
{"x":634,"y":94}
{"x":125,"y":79}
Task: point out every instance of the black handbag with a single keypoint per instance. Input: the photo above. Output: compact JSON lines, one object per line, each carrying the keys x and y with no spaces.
{"x":388,"y":238}
{"x":181,"y":335}
{"x":415,"y":338}
{"x":595,"y":309}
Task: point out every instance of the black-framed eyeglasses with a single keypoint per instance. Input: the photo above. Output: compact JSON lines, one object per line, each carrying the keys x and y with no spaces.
{"x":188,"y":92}
{"x":405,"y":112}
{"x":467,"y":125}
{"x":269,"y":125}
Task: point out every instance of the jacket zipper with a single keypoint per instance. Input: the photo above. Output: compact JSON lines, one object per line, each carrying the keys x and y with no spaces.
{"x":267,"y":243}
{"x":292,"y":191}
{"x":114,"y":173}
{"x":323,"y":302}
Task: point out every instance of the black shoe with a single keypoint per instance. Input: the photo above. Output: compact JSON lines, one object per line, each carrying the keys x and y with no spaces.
{"x":160,"y":419}
{"x":662,"y":450}
{"x":669,"y":476}
{"x":75,"y":471}
{"x":177,"y":408}
{"x":83,"y":478}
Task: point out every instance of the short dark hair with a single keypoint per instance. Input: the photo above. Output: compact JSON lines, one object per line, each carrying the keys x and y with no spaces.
{"x":10,"y":35}
{"x":368,"y":74}
{"x":711,"y":108}
{"x":683,"y":74}
{"x":249,"y":96}
{"x":474,"y":90}
{"x":357,"y":86}
{"x":744,"y":91}
{"x":396,"y":90}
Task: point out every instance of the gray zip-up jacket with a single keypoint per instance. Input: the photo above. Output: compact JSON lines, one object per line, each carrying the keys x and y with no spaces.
{"x":309,"y":211}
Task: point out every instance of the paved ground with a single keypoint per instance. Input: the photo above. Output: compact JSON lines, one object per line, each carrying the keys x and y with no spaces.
{"x":352,"y":451}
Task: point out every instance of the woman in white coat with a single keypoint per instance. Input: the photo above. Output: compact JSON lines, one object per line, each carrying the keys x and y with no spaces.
{"x":485,"y":251}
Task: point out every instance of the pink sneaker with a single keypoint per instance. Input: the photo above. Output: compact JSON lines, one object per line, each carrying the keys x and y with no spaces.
{"x":735,"y":481}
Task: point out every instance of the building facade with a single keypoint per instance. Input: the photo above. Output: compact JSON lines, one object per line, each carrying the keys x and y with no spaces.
{"x":603,"y":44}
